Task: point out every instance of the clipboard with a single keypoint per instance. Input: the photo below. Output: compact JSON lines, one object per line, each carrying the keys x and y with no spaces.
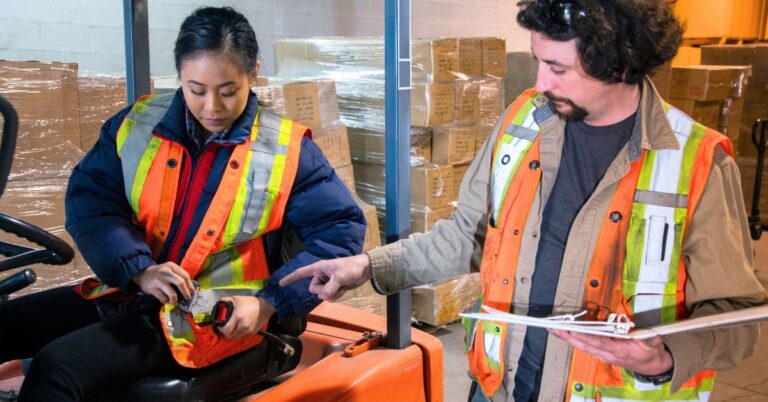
{"x":620,"y":326}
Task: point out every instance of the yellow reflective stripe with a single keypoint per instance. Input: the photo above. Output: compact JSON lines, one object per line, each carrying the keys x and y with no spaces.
{"x":255,"y":129}
{"x":523,"y":113}
{"x":646,"y":171}
{"x":689,"y":156}
{"x":236,"y":267}
{"x":633,"y":259}
{"x":276,"y":177}
{"x":232,"y":227}
{"x":143,"y":171}
{"x":122,"y":134}
{"x":183,"y":338}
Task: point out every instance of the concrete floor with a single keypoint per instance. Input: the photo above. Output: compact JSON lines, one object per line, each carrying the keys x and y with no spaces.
{"x":746,"y":383}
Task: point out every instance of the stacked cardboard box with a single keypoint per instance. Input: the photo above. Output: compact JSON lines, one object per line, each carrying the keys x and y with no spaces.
{"x":440,"y":303}
{"x":314,"y":104}
{"x":710,"y":94}
{"x":100,"y":98}
{"x":755,"y":95}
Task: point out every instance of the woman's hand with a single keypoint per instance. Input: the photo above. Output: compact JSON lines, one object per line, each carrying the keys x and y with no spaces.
{"x":249,"y":315}
{"x":160,"y":280}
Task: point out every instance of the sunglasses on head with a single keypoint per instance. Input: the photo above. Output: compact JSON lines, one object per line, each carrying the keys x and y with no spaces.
{"x":565,"y":12}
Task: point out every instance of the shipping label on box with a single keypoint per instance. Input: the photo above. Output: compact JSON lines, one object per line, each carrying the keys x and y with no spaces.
{"x":334,"y":143}
{"x":701,"y":82}
{"x":302,"y":103}
{"x":435,"y":59}
{"x":470,"y":56}
{"x":494,"y":57}
{"x":433,"y":104}
{"x":491,"y":97}
{"x":453,"y":144}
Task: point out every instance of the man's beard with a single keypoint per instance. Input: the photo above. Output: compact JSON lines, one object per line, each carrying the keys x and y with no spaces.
{"x":575,"y":112}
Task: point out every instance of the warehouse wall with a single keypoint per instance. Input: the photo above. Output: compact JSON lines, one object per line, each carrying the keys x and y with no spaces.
{"x":90,"y":32}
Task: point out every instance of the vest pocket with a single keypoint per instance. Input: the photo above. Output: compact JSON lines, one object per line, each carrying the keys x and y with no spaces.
{"x":658,"y":241}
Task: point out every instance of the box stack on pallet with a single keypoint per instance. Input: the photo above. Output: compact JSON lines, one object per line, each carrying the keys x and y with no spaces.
{"x":456,"y":96}
{"x":314,"y":104}
{"x":60,"y":116}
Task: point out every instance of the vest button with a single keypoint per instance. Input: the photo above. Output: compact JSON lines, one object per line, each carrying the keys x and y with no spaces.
{"x":498,"y":329}
{"x":517,"y":232}
{"x":162,"y":234}
{"x":234,"y":164}
{"x":172,"y":163}
{"x":506,"y":281}
{"x":534,"y":165}
{"x":615,"y":216}
{"x":578,"y":387}
{"x":535,"y":234}
{"x":209,"y":232}
{"x":523,"y":280}
{"x":594,"y":283}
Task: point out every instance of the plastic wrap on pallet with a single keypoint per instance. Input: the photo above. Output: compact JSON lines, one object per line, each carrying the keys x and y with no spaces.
{"x":454,"y":144}
{"x":101,"y":96}
{"x":368,"y":146}
{"x":45,"y":96}
{"x":40,"y":202}
{"x":431,"y":185}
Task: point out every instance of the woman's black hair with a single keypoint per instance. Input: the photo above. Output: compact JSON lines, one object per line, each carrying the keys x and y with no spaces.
{"x":217,"y":30}
{"x":618,"y":40}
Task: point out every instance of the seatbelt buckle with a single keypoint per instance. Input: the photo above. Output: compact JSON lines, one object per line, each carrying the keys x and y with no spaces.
{"x":184,"y":304}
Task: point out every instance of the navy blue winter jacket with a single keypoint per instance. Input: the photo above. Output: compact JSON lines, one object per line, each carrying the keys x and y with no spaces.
{"x":320,"y":210}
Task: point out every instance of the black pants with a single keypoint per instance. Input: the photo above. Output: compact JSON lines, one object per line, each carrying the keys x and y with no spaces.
{"x":75,"y":351}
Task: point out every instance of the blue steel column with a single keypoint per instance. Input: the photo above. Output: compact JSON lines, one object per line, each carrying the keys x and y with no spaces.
{"x":136,"y":24}
{"x":397,"y":63}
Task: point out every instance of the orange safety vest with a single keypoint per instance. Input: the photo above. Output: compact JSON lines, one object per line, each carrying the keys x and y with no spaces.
{"x":226,"y":256}
{"x":637,"y":267}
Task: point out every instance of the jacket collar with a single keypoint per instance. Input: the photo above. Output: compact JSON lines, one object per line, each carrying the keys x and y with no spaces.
{"x":173,"y":125}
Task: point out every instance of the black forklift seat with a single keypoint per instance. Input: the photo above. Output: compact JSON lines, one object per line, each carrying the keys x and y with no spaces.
{"x":229,"y":379}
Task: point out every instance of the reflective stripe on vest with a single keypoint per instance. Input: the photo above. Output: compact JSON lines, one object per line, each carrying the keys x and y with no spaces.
{"x":226,"y":255}
{"x":658,"y":190}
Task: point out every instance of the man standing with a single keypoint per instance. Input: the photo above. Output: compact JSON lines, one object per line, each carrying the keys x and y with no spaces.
{"x":591,"y":193}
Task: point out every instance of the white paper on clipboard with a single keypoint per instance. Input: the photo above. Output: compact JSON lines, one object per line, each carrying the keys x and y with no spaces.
{"x":619,"y":328}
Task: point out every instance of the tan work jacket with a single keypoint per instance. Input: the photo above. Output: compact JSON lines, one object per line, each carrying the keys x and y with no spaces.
{"x":717,"y":250}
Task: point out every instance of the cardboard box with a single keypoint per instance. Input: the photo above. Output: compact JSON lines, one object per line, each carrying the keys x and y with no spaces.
{"x":369,"y":146}
{"x":101,"y":97}
{"x":482,"y":133}
{"x":453,"y":144}
{"x":372,"y":234}
{"x":662,"y":79}
{"x":467,"y":101}
{"x":704,"y":112}
{"x":431,"y":186}
{"x":701,"y":82}
{"x":458,"y":175}
{"x":334,"y":143}
{"x":495,"y":57}
{"x":440,"y":303}
{"x":433,"y":104}
{"x":730,"y":119}
{"x":470,"y":56}
{"x":491,"y":98}
{"x":347,"y":175}
{"x":40,"y":202}
{"x":435,"y":60}
{"x":45,"y":97}
{"x":686,"y":56}
{"x":311,"y":103}
{"x":365,"y":298}
{"x":423,"y":219}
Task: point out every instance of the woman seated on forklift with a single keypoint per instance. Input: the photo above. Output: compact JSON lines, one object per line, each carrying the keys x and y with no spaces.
{"x":178,"y":197}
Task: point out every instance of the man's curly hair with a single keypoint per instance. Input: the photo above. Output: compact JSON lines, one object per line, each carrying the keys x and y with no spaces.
{"x":617,"y":40}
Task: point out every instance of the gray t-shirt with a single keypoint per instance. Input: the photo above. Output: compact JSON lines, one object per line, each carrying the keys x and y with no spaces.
{"x":587,"y":153}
